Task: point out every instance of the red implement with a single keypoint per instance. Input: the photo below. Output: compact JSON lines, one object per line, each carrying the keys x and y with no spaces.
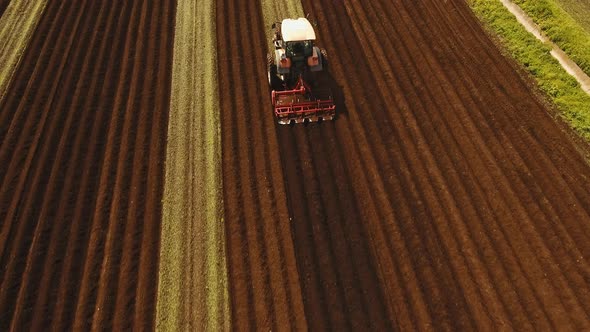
{"x":301,"y":104}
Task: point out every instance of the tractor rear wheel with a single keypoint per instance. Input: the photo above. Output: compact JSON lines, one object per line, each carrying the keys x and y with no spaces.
{"x":274,"y":81}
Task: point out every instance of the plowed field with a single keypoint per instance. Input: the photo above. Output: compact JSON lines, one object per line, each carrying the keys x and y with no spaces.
{"x":444,"y":195}
{"x":82,"y":141}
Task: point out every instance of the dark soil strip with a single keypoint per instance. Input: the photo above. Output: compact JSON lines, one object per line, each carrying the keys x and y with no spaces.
{"x":82,"y":142}
{"x":3,"y":5}
{"x":264,"y":284}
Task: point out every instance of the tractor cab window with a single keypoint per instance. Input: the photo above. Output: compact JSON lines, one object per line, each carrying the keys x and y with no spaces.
{"x":299,"y":48}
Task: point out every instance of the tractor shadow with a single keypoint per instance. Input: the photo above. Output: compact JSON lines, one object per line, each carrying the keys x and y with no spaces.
{"x":337,"y":94}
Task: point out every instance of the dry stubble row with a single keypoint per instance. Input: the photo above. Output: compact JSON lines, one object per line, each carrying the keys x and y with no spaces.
{"x":192,"y":290}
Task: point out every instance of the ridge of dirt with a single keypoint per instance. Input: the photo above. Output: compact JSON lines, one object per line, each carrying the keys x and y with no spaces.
{"x":264,"y":285}
{"x":444,"y":195}
{"x":82,"y":135}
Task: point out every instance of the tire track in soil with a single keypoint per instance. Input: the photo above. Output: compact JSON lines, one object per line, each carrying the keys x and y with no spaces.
{"x":75,"y":76}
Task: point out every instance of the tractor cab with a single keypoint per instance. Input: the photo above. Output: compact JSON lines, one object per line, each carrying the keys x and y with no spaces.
{"x":299,"y":50}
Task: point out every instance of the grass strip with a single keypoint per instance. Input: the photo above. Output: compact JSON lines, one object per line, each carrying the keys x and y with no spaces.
{"x":562,"y":89}
{"x":17,"y":25}
{"x":579,"y":10}
{"x":193,"y":283}
{"x":561,"y":29}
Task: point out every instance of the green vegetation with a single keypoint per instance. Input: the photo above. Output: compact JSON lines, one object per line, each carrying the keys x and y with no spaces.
{"x":17,"y":25}
{"x":578,"y":10}
{"x":561,"y":29}
{"x":562,"y":88}
{"x":193,"y":284}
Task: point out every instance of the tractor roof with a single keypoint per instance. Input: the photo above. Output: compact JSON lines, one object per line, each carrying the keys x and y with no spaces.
{"x":297,"y":30}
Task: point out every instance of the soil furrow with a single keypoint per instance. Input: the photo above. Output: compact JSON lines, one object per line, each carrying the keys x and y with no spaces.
{"x":361,"y":92}
{"x":76,"y":233}
{"x":462,"y":188}
{"x":471,"y":185}
{"x":556,"y":248}
{"x":442,"y":229}
{"x":70,"y":93}
{"x":61,"y":132}
{"x":113,"y":261}
{"x":26,"y":227}
{"x":429,"y":193}
{"x":557,"y":278}
{"x":262,"y":271}
{"x":11,"y":153}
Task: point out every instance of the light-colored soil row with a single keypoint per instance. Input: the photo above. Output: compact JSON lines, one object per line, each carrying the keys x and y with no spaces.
{"x":193,"y":290}
{"x":17,"y":24}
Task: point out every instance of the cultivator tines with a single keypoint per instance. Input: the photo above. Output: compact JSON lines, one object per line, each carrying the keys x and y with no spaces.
{"x":301,"y":104}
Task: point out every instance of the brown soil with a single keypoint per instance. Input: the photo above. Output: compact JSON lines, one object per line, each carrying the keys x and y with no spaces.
{"x":445,"y":194}
{"x":264,"y":284}
{"x":82,"y":139}
{"x":3,"y":5}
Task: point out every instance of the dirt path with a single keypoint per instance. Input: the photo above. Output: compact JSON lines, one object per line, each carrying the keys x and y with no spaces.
{"x":81,"y":147}
{"x":445,"y":194}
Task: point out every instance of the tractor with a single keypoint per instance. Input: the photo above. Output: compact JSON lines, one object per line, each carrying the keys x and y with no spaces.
{"x":294,"y":72}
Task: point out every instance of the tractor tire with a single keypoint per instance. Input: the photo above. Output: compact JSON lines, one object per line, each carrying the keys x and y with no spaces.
{"x":274,"y":81}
